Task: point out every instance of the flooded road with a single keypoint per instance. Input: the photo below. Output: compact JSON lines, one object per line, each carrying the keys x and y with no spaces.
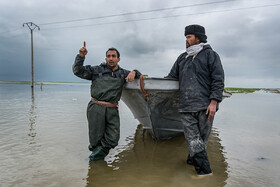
{"x":44,"y":139}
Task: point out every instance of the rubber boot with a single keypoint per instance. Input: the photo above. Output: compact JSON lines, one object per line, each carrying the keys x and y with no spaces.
{"x":201,"y":163}
{"x":98,"y":154}
{"x":189,"y":160}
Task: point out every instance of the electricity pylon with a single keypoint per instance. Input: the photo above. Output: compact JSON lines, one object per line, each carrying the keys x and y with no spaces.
{"x":31,"y":26}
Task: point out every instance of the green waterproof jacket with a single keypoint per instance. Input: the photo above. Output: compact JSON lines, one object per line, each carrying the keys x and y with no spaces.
{"x":102,"y":71}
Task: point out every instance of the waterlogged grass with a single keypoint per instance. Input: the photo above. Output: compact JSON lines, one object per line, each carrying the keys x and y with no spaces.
{"x":16,"y":82}
{"x":242,"y":90}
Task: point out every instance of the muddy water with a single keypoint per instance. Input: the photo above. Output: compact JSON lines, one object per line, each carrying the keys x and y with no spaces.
{"x":43,"y":142}
{"x":249,"y":127}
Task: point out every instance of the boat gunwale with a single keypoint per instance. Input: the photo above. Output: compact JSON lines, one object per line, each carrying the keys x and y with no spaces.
{"x":158,"y":78}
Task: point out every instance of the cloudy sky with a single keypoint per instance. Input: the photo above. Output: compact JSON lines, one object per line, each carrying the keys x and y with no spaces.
{"x":148,"y":34}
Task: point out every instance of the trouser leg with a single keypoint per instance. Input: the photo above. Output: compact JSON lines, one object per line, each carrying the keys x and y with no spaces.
{"x":192,"y":133}
{"x":112,"y":130}
{"x":197,"y":130}
{"x":104,"y":130}
{"x":96,"y":124}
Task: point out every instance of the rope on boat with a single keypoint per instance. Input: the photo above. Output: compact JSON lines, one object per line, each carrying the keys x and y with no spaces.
{"x":146,"y":95}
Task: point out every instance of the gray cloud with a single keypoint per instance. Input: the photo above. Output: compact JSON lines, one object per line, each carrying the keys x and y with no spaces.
{"x":246,"y":40}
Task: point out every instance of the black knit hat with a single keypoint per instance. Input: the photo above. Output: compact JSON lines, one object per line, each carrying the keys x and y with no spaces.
{"x":198,"y":31}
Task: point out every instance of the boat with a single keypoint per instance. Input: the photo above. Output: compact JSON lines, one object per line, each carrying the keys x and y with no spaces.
{"x":154,"y":102}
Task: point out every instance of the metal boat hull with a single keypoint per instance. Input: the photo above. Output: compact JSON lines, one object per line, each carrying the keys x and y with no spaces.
{"x":159,"y":115}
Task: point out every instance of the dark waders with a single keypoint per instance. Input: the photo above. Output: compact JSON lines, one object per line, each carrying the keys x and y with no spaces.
{"x":104,"y":121}
{"x":197,"y":129}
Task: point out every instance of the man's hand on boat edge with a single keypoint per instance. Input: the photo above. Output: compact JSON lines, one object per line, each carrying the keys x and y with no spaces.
{"x":130,"y":77}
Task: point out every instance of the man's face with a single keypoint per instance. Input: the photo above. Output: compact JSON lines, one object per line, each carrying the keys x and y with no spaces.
{"x":112,"y":59}
{"x":191,"y":40}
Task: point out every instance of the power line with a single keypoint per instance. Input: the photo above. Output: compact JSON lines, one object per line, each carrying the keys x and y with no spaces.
{"x":146,"y":19}
{"x":139,"y":12}
{"x":128,"y":13}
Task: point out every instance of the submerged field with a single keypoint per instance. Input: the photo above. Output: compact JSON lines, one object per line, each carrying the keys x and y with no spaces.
{"x":44,"y":139}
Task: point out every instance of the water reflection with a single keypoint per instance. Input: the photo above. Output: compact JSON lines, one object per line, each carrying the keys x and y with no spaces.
{"x":152,"y":163}
{"x":32,"y":117}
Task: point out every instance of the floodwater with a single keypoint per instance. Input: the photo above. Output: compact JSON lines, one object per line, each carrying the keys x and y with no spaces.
{"x":44,"y":139}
